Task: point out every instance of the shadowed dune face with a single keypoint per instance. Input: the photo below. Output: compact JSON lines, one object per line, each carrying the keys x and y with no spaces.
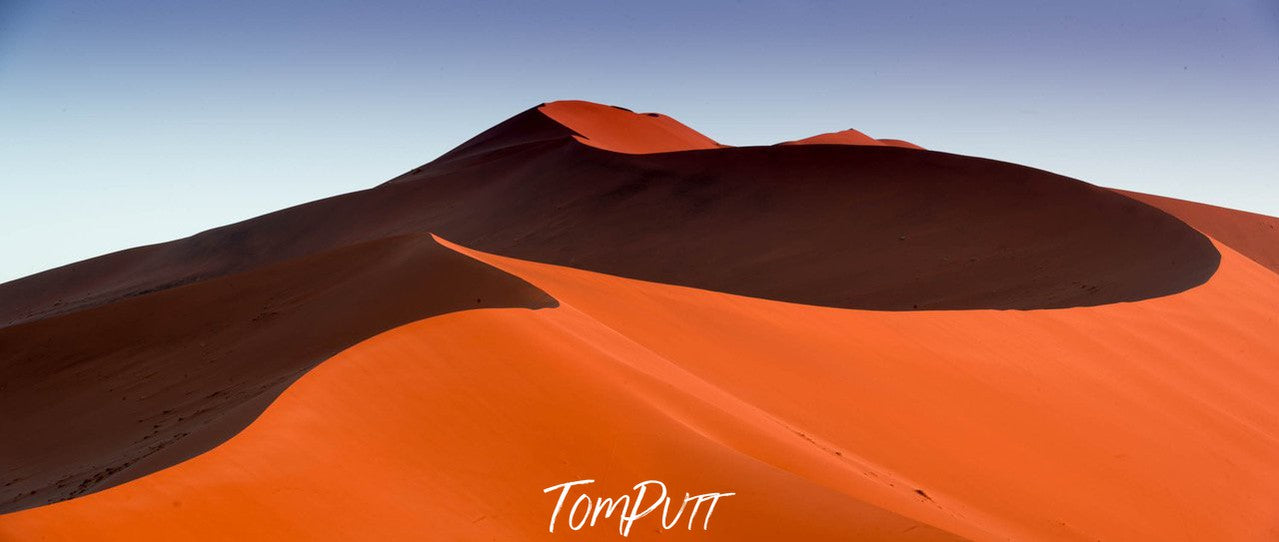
{"x":864,"y":225}
{"x":846,"y":226}
{"x":1253,"y":235}
{"x":104,"y":395}
{"x":849,"y":226}
{"x":177,"y":346}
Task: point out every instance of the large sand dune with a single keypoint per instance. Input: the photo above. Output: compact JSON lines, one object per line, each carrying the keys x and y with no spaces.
{"x":820,"y":328}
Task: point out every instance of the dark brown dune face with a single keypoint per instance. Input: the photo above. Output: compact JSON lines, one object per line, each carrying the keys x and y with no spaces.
{"x":842,"y":226}
{"x":175,"y":347}
{"x":104,"y":395}
{"x":1253,"y":235}
{"x":876,"y":228}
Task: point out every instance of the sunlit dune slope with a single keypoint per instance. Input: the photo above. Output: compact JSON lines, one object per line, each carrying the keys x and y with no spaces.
{"x":851,"y":137}
{"x":846,"y":137}
{"x":1076,"y":424}
{"x":621,"y":130}
{"x":900,"y":143}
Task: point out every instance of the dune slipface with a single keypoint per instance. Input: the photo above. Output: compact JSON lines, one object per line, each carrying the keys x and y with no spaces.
{"x":862,"y":339}
{"x":118,"y":390}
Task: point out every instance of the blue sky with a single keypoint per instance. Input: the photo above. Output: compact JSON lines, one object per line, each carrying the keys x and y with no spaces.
{"x":134,"y":122}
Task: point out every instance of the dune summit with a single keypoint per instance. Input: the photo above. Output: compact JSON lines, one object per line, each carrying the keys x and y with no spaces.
{"x":915,"y":345}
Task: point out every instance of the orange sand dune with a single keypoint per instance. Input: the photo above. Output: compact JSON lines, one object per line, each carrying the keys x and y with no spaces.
{"x":1086,"y":423}
{"x":746,"y":320}
{"x":621,"y":130}
{"x":605,"y":127}
{"x":900,"y":143}
{"x":852,"y":137}
{"x":171,"y":374}
{"x":846,"y":137}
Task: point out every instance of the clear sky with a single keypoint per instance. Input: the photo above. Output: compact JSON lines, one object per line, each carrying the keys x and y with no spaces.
{"x":132,"y":122}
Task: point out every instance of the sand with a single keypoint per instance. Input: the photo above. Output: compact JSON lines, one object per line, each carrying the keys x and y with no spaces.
{"x":661,"y":313}
{"x":1253,"y":235}
{"x":852,"y":137}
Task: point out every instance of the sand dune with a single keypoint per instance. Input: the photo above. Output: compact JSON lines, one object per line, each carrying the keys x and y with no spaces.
{"x":650,"y":304}
{"x":171,"y":374}
{"x":852,"y":137}
{"x":845,"y":137}
{"x":890,"y":229}
{"x":621,"y":130}
{"x":900,"y":143}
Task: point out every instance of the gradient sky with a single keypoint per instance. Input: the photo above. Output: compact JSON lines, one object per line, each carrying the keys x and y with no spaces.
{"x":134,"y":122}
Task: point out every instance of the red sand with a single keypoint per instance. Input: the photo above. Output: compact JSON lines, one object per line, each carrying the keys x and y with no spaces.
{"x":900,"y":143}
{"x":621,"y":130}
{"x":846,"y":137}
{"x":1153,"y":419}
{"x":852,"y":137}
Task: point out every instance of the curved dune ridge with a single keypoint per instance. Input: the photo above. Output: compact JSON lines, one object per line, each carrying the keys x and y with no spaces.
{"x":700,"y":317}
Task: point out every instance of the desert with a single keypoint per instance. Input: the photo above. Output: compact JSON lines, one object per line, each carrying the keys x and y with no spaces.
{"x":843,"y":338}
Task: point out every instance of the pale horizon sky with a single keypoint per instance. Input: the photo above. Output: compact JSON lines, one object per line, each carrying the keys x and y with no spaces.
{"x":129,"y":123}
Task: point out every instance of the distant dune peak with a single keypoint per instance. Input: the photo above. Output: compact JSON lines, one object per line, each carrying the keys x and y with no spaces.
{"x":900,"y":143}
{"x":619,"y":129}
{"x":608,"y":127}
{"x":843,"y":137}
{"x":851,"y":137}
